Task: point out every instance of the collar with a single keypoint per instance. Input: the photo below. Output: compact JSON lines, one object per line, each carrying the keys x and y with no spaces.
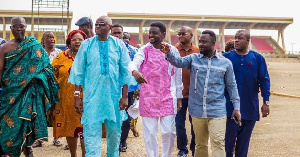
{"x":216,"y":55}
{"x":179,"y":47}
{"x":242,"y":54}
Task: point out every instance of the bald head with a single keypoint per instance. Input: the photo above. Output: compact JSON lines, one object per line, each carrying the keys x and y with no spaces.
{"x":185,"y":35}
{"x":18,"y":27}
{"x":18,"y":19}
{"x":245,"y":32}
{"x":46,"y":33}
{"x":103,"y":26}
{"x":188,"y":29}
{"x":106,"y":19}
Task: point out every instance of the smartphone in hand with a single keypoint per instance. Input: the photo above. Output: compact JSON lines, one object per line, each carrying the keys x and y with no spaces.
{"x":237,"y":121}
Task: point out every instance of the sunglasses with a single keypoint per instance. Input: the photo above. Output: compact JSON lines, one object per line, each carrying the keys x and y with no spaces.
{"x":100,"y":24}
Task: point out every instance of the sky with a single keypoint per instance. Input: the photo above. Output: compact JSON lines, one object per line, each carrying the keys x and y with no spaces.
{"x":260,"y":8}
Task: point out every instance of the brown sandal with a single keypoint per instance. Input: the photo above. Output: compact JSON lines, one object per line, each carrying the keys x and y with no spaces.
{"x":37,"y":143}
{"x":66,"y":147}
{"x":28,"y":152}
{"x":135,"y":132}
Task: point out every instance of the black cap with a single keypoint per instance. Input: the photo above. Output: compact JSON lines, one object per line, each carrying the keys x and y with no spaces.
{"x":84,"y":21}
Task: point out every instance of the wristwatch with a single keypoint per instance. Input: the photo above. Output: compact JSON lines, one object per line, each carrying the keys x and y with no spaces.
{"x":77,"y":92}
{"x":267,"y":103}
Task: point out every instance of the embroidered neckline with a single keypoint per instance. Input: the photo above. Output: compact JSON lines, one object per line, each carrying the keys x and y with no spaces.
{"x":104,"y":63}
{"x":68,"y":56}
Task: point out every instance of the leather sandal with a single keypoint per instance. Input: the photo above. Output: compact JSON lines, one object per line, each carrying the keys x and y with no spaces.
{"x":56,"y":142}
{"x":28,"y":152}
{"x":37,"y":143}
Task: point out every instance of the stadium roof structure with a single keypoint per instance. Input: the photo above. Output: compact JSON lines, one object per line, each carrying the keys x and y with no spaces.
{"x":203,"y":21}
{"x":52,"y":18}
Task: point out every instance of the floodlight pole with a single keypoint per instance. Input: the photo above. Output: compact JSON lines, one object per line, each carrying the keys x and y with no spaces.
{"x":292,"y":47}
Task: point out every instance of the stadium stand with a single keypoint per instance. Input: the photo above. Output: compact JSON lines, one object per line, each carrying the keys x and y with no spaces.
{"x":227,"y":38}
{"x":218,"y":47}
{"x":146,"y":38}
{"x":174,"y":39}
{"x":262,"y":45}
{"x":141,"y":21}
{"x":133,"y":40}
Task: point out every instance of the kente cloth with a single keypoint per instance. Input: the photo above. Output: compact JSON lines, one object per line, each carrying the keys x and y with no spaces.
{"x":29,"y":89}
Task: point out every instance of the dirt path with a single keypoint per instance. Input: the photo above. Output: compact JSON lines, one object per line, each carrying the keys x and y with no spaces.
{"x":275,"y":136}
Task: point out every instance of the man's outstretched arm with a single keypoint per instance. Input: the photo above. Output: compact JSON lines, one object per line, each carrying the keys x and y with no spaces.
{"x":172,"y":55}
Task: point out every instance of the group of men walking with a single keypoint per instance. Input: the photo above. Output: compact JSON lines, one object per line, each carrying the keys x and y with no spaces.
{"x":220,"y":91}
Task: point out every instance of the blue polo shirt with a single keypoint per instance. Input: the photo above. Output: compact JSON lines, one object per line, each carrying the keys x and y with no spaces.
{"x":252,"y":78}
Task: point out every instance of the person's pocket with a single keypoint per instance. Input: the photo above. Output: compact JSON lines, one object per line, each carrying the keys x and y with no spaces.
{"x":217,"y":76}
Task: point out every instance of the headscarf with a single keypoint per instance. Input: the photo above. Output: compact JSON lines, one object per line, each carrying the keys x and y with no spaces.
{"x":70,"y":35}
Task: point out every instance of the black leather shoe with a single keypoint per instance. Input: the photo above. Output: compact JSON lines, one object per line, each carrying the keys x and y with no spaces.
{"x":123,"y":147}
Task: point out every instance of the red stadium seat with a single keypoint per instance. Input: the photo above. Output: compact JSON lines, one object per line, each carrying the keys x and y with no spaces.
{"x":146,"y":39}
{"x":174,"y":39}
{"x":228,"y":38}
{"x":133,"y":41}
{"x":217,"y":47}
{"x":262,"y":45}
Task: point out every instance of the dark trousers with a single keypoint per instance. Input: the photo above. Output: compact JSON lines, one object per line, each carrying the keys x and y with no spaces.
{"x":182,"y":139}
{"x":239,"y":136}
{"x":1,"y":152}
{"x":126,"y":124}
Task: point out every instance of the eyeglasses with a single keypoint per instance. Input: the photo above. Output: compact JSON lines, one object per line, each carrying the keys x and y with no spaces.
{"x":74,"y":40}
{"x":100,"y":24}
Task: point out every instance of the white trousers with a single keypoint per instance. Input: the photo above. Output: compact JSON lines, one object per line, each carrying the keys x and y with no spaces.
{"x":167,"y":126}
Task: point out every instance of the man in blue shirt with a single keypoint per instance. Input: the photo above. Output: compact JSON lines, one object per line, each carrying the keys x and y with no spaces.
{"x":101,"y":67}
{"x":117,"y":31}
{"x":210,"y":73}
{"x":251,"y":73}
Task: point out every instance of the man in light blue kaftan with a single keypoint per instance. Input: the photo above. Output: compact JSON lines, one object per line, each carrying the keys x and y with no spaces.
{"x":101,"y":67}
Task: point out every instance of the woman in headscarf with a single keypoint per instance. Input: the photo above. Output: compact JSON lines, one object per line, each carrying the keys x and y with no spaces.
{"x":66,"y":119}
